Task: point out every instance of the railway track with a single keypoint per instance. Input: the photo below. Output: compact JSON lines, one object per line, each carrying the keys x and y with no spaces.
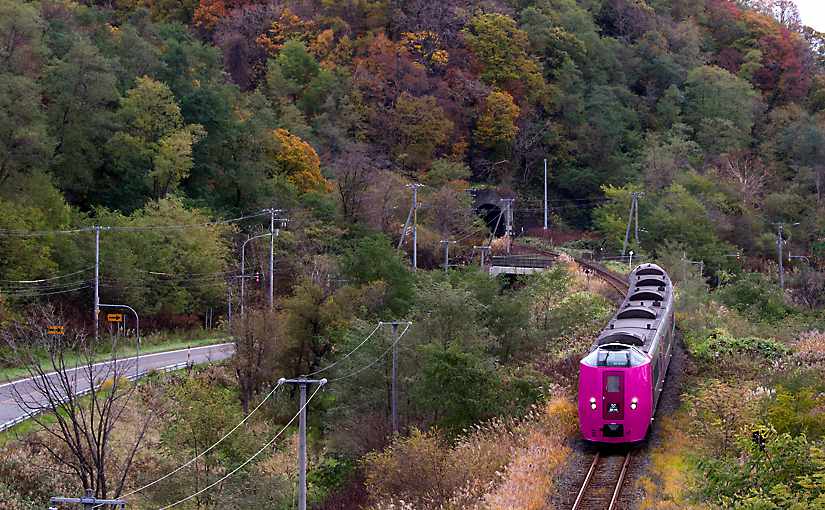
{"x":617,"y":282}
{"x":611,"y":278}
{"x":603,"y":484}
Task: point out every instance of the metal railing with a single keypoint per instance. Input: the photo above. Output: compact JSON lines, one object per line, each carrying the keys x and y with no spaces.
{"x":523,"y":261}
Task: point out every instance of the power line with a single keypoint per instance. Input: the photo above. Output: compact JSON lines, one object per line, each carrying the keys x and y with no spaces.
{"x":39,"y":294}
{"x":39,"y":233}
{"x":35,"y":288}
{"x":52,"y":278}
{"x":345,"y":356}
{"x":250,"y":459}
{"x":219,"y":441}
{"x":376,"y":360}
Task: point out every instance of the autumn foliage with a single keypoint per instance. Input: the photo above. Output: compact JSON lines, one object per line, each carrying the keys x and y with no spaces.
{"x":298,"y":161}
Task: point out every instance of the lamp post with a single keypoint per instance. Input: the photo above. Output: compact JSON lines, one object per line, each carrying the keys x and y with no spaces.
{"x":137,"y":329}
{"x":243,"y":265}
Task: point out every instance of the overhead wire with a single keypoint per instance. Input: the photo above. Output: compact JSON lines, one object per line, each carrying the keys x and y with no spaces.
{"x":52,"y":278}
{"x":39,"y":294}
{"x":219,"y":441}
{"x":250,"y":459}
{"x":376,"y":360}
{"x":39,"y":233}
{"x":186,"y":226}
{"x":350,"y":353}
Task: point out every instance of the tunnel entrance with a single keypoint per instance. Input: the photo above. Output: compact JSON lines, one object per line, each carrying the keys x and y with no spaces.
{"x":490,"y":214}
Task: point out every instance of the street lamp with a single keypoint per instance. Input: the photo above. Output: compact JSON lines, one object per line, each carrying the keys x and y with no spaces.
{"x":137,"y":329}
{"x":243,"y":263}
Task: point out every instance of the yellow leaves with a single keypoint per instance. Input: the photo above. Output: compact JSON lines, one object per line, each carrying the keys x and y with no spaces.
{"x":296,"y":159}
{"x":426,"y":46}
{"x":496,"y":126}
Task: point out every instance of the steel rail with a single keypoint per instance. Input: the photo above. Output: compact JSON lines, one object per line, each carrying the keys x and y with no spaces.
{"x":582,"y":503}
{"x":587,"y":479}
{"x":619,"y":484}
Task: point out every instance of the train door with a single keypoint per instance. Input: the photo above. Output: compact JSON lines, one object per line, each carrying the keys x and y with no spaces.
{"x":613,"y":395}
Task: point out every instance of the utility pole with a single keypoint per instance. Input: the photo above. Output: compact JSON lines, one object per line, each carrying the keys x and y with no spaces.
{"x":545,"y":193}
{"x":302,"y":436}
{"x":780,"y":240}
{"x":394,"y":383}
{"x":414,"y":187}
{"x":634,"y":213}
{"x":446,"y":244}
{"x":229,"y":304}
{"x":97,"y":279}
{"x":394,"y":403}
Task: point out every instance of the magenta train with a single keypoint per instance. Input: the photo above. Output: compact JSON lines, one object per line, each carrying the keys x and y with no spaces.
{"x":620,"y":380}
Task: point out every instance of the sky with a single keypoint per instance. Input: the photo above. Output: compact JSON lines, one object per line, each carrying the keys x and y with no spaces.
{"x":812,"y":13}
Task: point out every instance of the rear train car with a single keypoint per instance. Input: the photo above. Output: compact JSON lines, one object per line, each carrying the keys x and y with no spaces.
{"x":621,"y":378}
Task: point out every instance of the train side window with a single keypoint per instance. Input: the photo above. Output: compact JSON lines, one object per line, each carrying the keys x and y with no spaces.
{"x":656,"y":372}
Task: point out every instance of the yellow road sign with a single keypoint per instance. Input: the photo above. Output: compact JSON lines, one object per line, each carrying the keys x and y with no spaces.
{"x":114,"y":317}
{"x":56,"y":330}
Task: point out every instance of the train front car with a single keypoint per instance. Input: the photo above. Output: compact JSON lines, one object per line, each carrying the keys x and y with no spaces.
{"x":622,"y":376}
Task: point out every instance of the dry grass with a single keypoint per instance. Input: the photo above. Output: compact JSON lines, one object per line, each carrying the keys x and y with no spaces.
{"x":810,"y":350}
{"x":497,"y":466}
{"x":668,"y":483}
{"x":528,"y":479}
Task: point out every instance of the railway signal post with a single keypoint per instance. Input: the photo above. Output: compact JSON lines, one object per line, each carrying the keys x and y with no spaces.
{"x":302,"y":436}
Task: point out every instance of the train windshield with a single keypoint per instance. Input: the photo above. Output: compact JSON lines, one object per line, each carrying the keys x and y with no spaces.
{"x":615,"y":357}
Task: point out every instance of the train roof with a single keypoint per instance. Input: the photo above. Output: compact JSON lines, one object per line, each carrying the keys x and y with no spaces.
{"x":643,"y":311}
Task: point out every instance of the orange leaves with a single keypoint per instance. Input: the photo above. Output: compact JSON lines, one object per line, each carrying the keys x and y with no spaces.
{"x":209,"y":12}
{"x":287,"y":26}
{"x":320,"y":42}
{"x":298,"y":161}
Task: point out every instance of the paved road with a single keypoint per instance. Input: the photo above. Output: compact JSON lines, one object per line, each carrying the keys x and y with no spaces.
{"x":10,"y":393}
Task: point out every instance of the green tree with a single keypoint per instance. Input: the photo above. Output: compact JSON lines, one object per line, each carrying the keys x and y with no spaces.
{"x":472,"y":381}
{"x":420,"y":127}
{"x":24,"y":140}
{"x":81,"y":89}
{"x":372,"y":259}
{"x":21,"y":38}
{"x":155,"y":145}
{"x":720,"y":107}
{"x":166,"y":272}
{"x":501,"y":49}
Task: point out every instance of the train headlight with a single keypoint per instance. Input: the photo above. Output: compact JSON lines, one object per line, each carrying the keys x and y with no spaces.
{"x":634,"y":403}
{"x":593,"y":403}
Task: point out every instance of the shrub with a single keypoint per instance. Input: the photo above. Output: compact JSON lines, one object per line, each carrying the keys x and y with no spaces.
{"x":755,"y":296}
{"x":772,"y":470}
{"x":721,"y":344}
{"x":718,"y":411}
